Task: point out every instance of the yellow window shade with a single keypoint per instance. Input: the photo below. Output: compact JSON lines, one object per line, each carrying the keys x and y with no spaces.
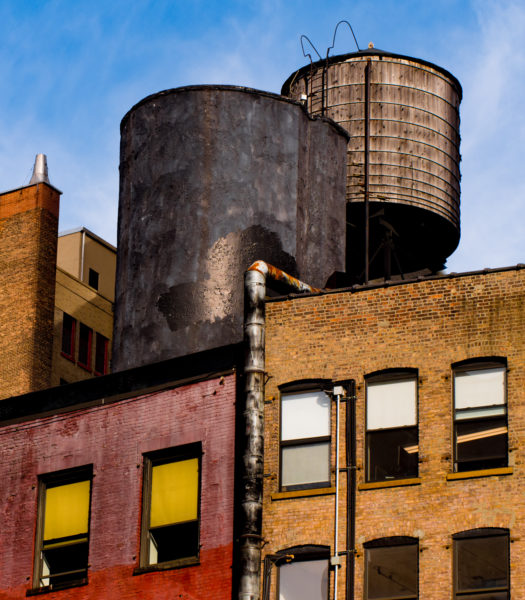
{"x":174,"y":491}
{"x":67,"y":510}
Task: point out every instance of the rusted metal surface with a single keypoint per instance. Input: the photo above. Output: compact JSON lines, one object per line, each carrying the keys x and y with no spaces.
{"x":403,"y":117}
{"x":255,"y":283}
{"x":279,"y":276}
{"x":211,"y":179}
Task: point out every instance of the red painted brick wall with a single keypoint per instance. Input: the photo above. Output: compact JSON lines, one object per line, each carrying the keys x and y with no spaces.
{"x":114,"y":438}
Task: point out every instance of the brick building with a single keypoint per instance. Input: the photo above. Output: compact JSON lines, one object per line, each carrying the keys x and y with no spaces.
{"x":56,"y":298}
{"x":84,"y":296}
{"x":122,"y":486}
{"x":392,"y":463}
{"x":431,"y":375}
{"x":28,"y":241}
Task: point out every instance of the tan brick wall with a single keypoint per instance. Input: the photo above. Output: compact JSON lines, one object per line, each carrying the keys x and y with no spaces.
{"x":28,"y":233}
{"x":86,"y":306}
{"x":426,"y":325}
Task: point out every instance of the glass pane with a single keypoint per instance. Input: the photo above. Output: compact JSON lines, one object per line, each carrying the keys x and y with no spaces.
{"x":392,"y":572}
{"x":84,"y":345}
{"x":474,"y":413}
{"x":481,"y":444}
{"x":68,"y":325}
{"x":305,"y":415}
{"x":174,"y":542}
{"x":391,"y":404}
{"x":66,"y":510}
{"x":309,"y":463}
{"x":101,"y":353}
{"x":482,"y":563}
{"x":392,"y":454}
{"x":174,"y":491}
{"x":307,"y":580}
{"x":484,"y":387}
{"x":63,"y":565}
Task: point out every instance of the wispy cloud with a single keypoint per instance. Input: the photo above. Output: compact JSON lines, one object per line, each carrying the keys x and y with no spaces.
{"x":70,"y":71}
{"x":493,"y":137}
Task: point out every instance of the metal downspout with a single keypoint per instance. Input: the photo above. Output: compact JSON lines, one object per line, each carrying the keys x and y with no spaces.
{"x":350,"y":491}
{"x":82,"y":251}
{"x":367,"y":170}
{"x":336,"y":561}
{"x":254,"y":339}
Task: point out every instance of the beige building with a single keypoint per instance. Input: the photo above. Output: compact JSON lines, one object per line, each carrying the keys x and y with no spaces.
{"x":84,"y":294}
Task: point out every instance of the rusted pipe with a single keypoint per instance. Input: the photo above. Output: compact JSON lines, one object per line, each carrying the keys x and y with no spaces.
{"x":255,"y":280}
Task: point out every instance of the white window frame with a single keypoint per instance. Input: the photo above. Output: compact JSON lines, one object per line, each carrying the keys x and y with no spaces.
{"x":476,"y":409}
{"x":297,"y":436}
{"x":398,"y":417}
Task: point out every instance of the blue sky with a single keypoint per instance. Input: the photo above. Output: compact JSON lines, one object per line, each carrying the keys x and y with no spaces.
{"x":71,"y":69}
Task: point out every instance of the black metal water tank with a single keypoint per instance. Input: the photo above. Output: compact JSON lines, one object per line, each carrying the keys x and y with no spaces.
{"x":213,"y":178}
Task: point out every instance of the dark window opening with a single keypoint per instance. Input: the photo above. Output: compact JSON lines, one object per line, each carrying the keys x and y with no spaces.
{"x":63,"y":529}
{"x":68,"y":336}
{"x":481,"y":565}
{"x":101,"y":354}
{"x":392,"y":454}
{"x":170,"y":517}
{"x":305,"y":440}
{"x":85,"y":339}
{"x":392,"y":446}
{"x":480,"y":417}
{"x":391,"y":571}
{"x":481,"y":444}
{"x":173,"y":542}
{"x":93,"y":279}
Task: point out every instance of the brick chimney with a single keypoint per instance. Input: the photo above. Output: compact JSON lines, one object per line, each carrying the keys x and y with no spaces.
{"x":28,"y":243}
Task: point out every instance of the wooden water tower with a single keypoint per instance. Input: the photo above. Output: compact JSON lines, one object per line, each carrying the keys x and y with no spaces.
{"x":403,"y":178}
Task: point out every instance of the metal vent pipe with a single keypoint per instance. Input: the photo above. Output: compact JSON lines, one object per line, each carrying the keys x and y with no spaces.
{"x":254,"y":371}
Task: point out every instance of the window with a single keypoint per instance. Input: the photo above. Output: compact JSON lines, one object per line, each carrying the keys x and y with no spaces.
{"x":391,"y":426}
{"x":480,"y":416}
{"x":303,"y":573}
{"x":391,"y":569}
{"x":101,"y":354}
{"x":61,"y":557}
{"x":68,"y":336}
{"x":93,"y":279}
{"x":305,"y":440}
{"x":170,"y":516}
{"x":481,"y":564}
{"x":85,"y":339}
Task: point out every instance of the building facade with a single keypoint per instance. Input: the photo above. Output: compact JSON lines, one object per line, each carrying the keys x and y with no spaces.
{"x":84,"y":295}
{"x":423,"y":499}
{"x":28,"y":240}
{"x":122,"y":486}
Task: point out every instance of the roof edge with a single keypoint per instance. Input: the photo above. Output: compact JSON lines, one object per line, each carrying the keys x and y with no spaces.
{"x":232,"y":88}
{"x":388,"y":284}
{"x":285,"y":90}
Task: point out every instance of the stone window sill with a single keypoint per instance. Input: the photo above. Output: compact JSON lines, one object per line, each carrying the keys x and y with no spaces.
{"x":480,"y":473}
{"x":303,"y":493}
{"x":375,"y":485}
{"x":47,"y":589}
